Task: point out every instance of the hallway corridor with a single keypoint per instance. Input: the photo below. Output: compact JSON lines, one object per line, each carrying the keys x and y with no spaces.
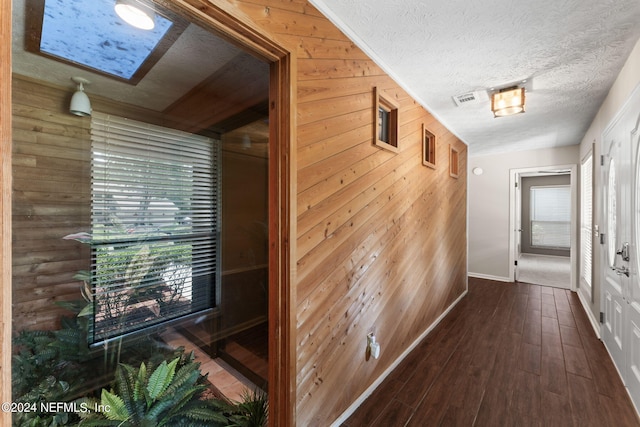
{"x":506,"y":355}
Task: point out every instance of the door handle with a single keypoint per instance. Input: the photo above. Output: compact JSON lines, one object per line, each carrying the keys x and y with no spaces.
{"x":624,"y":252}
{"x":621,"y":270}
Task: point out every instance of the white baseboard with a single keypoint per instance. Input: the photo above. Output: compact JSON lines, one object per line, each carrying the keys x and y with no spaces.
{"x":356,"y":404}
{"x":489,"y":277}
{"x":595,"y":323}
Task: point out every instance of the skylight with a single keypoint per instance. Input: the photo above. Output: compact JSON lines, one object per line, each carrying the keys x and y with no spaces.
{"x":88,"y":32}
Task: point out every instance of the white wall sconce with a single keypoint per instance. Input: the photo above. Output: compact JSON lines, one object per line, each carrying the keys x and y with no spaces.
{"x":136,"y":14}
{"x":508,"y":101}
{"x":80,"y":104}
{"x":477,"y":171}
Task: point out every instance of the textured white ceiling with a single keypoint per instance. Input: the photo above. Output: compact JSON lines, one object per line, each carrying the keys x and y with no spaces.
{"x":573,"y":50}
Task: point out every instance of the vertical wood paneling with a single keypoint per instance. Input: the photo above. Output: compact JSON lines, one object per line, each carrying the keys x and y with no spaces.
{"x":381,"y":239}
{"x":5,"y":206}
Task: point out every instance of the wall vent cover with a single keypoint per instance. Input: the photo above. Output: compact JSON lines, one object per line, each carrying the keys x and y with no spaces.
{"x":469,"y":98}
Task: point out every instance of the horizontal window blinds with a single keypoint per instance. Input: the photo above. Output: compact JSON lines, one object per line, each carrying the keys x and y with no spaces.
{"x":155,"y":224}
{"x":586,"y":220}
{"x":551,"y":216}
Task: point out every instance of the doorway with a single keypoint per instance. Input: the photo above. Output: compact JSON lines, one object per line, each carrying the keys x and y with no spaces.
{"x":542,"y":237}
{"x":620,"y":259}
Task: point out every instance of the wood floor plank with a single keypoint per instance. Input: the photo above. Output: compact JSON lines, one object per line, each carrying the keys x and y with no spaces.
{"x":525,"y":408}
{"x":557,"y":410}
{"x":565,"y":318}
{"x":570,"y":336}
{"x":553,"y":376}
{"x":419,"y":384}
{"x":497,"y":360}
{"x":552,"y":346}
{"x":529,"y":358}
{"x":549,"y":310}
{"x":395,"y":414}
{"x":532,"y":330}
{"x":576,"y":361}
{"x":606,"y":379}
{"x":463,"y":406}
{"x":617,"y":409}
{"x":550,"y":326}
{"x":369,"y":411}
{"x":583,"y":399}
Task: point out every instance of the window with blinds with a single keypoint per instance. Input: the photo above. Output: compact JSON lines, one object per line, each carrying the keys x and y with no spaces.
{"x":586,"y":221}
{"x":551,"y":216}
{"x":155,"y":225}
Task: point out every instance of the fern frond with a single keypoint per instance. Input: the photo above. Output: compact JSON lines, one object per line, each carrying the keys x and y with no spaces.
{"x":182,"y":401}
{"x":206,"y":413}
{"x":138,"y":390}
{"x":117,"y":409}
{"x":157,"y":410}
{"x":187,"y":375}
{"x":161,"y":378}
{"x":125,"y":380}
{"x":45,"y":355}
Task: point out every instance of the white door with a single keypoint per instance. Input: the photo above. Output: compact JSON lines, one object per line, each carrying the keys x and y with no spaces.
{"x":615,"y":282}
{"x":633,"y":375}
{"x":620,"y":257}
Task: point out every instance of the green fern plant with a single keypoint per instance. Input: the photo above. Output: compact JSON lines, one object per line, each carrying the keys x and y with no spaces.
{"x":167,"y":395}
{"x":252,"y":411}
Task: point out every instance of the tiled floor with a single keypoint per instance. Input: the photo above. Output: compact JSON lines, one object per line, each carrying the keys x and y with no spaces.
{"x":226,"y":379}
{"x":506,"y":355}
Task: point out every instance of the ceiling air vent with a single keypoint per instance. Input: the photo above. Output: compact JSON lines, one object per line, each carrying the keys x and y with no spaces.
{"x":470,"y":98}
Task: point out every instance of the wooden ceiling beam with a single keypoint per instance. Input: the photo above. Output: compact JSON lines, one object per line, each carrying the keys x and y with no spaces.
{"x":240,"y":85}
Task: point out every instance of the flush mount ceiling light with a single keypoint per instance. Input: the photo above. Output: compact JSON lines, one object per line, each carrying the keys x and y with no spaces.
{"x":508,"y":101}
{"x":80,"y":104}
{"x":136,"y":14}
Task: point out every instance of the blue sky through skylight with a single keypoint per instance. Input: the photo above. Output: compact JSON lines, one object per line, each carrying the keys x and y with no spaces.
{"x":90,"y":33}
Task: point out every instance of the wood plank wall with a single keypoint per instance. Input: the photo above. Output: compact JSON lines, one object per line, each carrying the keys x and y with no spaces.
{"x":51,"y":198}
{"x":381,"y":243}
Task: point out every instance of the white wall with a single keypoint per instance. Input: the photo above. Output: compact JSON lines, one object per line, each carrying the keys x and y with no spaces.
{"x":627,"y":81}
{"x":489,"y":205}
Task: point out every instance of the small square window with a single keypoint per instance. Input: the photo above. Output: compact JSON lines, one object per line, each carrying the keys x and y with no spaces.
{"x":454,"y":162}
{"x":386,"y":122}
{"x":428,"y":148}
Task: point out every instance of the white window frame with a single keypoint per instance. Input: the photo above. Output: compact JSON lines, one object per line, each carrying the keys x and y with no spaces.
{"x":586,"y":224}
{"x":533,"y":217}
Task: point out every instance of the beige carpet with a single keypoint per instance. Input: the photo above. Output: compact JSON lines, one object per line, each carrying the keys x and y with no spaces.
{"x":544,"y":270}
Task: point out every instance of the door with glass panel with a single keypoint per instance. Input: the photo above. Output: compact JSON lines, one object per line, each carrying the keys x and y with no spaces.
{"x":620,"y":259}
{"x":633,"y":381}
{"x":615,"y":282}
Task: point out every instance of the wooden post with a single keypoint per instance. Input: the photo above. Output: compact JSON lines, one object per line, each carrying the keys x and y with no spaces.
{"x":5,"y":207}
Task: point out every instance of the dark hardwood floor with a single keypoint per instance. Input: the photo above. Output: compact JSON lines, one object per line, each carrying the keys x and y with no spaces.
{"x":506,"y":355}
